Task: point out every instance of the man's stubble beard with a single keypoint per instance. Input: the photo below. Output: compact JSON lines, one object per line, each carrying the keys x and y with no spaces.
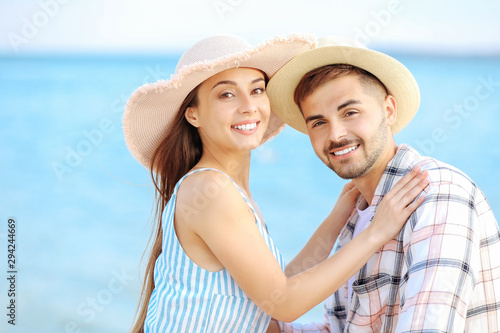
{"x":352,"y":171}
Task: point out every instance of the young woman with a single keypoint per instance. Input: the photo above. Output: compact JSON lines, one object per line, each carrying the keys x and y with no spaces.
{"x":213,"y":266}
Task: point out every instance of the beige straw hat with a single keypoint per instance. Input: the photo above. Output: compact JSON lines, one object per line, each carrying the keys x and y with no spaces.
{"x":398,"y":80}
{"x":151,"y":109}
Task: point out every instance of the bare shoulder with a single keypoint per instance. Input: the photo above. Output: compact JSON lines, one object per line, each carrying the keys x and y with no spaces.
{"x":205,"y":185}
{"x":208,"y":195}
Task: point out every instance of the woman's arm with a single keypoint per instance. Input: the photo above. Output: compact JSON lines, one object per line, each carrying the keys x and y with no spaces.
{"x":226,"y":225}
{"x":320,"y":245}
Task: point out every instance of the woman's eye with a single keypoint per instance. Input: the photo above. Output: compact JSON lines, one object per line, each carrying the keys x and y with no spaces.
{"x":258,"y":91}
{"x":226,"y":95}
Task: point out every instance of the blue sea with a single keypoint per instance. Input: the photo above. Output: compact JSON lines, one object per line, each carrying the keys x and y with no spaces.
{"x":82,"y":205}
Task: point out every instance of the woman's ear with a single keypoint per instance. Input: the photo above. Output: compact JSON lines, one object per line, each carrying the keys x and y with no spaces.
{"x":191,"y":116}
{"x":390,"y":110}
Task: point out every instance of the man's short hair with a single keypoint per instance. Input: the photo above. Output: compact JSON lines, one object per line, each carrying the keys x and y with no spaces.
{"x":321,"y":75}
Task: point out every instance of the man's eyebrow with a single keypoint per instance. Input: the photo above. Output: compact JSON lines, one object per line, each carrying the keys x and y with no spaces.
{"x":339,"y":108}
{"x":316,"y":116}
{"x":347,"y":103}
{"x":233,"y":83}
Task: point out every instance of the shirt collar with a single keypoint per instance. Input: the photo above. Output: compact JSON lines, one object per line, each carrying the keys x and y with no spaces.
{"x":403,"y":161}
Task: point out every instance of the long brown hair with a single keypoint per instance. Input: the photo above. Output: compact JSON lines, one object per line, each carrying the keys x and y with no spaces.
{"x":179,"y":151}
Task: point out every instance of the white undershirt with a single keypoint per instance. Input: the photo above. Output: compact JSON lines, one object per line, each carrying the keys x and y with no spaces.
{"x":365,"y":216}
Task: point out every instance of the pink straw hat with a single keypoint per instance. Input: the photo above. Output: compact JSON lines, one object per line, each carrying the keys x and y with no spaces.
{"x":151,"y":109}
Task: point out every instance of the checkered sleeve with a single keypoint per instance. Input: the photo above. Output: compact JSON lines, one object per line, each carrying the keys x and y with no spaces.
{"x":303,"y":328}
{"x":308,"y":327}
{"x":441,"y":262}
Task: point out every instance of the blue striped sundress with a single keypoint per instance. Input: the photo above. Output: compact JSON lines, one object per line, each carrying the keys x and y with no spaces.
{"x":188,"y":298}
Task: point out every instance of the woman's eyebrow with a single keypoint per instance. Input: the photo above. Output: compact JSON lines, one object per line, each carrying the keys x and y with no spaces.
{"x":257,"y":80}
{"x":233,"y":83}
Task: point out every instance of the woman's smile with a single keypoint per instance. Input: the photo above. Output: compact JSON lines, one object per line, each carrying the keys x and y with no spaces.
{"x":246,"y":127}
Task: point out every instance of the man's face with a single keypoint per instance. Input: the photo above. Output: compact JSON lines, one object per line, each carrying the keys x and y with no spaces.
{"x":349,"y":125}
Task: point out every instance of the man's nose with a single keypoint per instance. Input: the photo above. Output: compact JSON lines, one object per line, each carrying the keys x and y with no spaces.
{"x":337,"y":131}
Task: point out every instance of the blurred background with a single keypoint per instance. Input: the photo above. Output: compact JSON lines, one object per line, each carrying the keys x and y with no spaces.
{"x":82,"y":205}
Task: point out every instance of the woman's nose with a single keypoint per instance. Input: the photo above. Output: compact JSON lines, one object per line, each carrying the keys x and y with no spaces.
{"x":247,"y":105}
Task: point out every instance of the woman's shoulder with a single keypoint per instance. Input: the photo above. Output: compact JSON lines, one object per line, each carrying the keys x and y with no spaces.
{"x":207,"y":191}
{"x":205,"y":181}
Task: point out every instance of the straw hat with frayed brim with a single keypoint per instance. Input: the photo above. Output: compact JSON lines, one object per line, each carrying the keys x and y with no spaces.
{"x":398,"y":80}
{"x":152,"y":107}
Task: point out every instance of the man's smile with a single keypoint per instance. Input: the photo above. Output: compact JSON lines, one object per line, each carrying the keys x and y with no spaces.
{"x":344,"y":151}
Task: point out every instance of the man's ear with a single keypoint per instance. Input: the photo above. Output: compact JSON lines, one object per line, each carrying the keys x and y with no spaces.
{"x":191,"y":116}
{"x":391,"y":110}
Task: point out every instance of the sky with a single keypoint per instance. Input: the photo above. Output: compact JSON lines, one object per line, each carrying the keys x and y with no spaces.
{"x":465,"y":27}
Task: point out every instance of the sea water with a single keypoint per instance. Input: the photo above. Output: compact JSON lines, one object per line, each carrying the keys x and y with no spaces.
{"x":82,"y":204}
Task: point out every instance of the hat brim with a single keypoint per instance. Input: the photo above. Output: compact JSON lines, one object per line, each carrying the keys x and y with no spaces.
{"x":151,"y":109}
{"x":398,"y":80}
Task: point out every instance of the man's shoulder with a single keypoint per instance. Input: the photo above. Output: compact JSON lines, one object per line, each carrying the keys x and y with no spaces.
{"x":440,"y":173}
{"x":444,"y":173}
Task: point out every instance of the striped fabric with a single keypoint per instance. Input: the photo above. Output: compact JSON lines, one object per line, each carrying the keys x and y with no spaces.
{"x":441,"y":274}
{"x":188,"y":298}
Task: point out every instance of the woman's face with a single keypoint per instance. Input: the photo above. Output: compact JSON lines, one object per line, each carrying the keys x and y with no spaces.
{"x":233,"y":109}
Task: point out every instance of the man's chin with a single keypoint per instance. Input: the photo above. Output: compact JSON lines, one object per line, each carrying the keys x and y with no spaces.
{"x":346,"y":174}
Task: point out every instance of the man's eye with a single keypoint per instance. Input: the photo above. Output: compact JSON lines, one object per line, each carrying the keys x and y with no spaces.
{"x":318,"y":123}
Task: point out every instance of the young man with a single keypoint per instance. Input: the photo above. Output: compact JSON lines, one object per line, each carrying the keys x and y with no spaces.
{"x":442,"y":273}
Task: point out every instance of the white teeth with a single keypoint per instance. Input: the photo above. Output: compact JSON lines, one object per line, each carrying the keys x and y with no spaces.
{"x":345,"y":151}
{"x":246,"y":127}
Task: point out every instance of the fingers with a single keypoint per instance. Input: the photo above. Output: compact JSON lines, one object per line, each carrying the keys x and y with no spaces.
{"x":401,"y":198}
{"x":349,"y":191}
{"x":354,"y":191}
{"x":347,"y":187}
{"x":405,"y":180}
{"x":414,"y":179}
{"x":414,"y":205}
{"x":399,"y":203}
{"x":413,"y":188}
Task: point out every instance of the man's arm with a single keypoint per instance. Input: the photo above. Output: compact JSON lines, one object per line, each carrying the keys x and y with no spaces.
{"x":278,"y":327}
{"x":325,"y":327}
{"x":305,"y":328}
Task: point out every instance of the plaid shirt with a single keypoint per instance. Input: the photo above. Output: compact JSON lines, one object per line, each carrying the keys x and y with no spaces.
{"x":441,"y":273}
